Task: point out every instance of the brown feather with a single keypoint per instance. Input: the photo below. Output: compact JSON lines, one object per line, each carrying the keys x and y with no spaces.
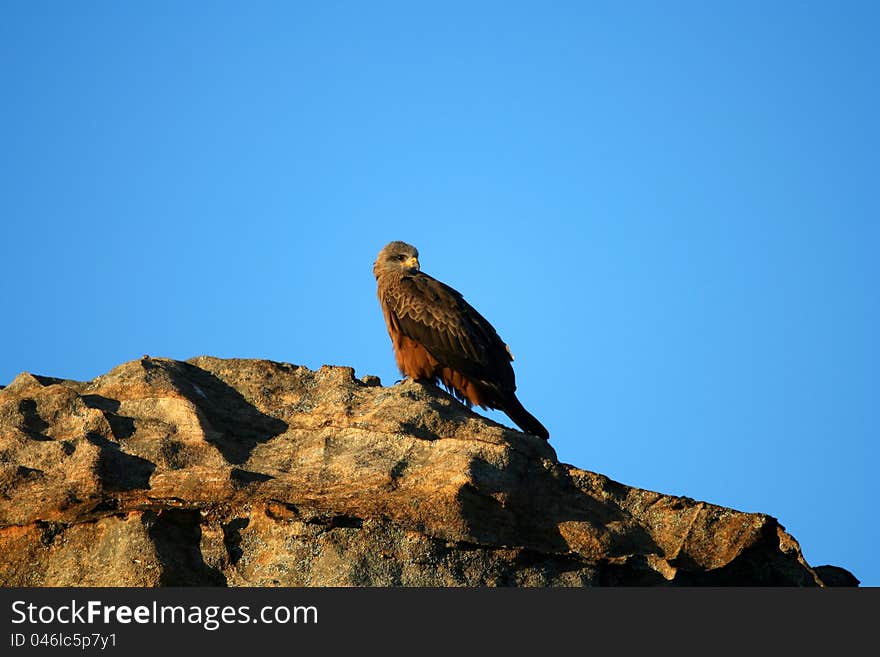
{"x":413,"y":360}
{"x":469,"y":390}
{"x":439,"y":337}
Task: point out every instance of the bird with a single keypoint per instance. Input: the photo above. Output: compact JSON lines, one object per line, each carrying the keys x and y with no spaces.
{"x":437,"y":336}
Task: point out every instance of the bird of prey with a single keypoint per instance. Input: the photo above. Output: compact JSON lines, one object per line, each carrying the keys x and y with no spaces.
{"x":438,"y":336}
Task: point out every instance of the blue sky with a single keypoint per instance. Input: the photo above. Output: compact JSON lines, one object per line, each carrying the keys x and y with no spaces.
{"x":668,"y":210}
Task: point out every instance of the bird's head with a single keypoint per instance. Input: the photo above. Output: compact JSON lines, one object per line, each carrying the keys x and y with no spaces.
{"x":396,"y":257}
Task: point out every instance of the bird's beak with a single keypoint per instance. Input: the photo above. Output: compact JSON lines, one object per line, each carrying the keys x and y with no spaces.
{"x":412,"y":263}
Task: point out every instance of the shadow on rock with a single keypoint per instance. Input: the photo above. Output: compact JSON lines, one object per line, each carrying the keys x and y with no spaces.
{"x":31,"y":422}
{"x":525,"y":504}
{"x":121,"y":426}
{"x":177,"y":536}
{"x":120,"y":471}
{"x":231,"y":423}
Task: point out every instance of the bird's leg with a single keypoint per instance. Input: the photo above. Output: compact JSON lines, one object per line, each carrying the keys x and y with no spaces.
{"x":420,"y":379}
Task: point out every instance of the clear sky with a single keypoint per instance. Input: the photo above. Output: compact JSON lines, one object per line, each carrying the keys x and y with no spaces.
{"x":668,"y":210}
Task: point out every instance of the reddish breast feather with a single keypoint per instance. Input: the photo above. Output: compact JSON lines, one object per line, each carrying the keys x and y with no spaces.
{"x":414,"y":361}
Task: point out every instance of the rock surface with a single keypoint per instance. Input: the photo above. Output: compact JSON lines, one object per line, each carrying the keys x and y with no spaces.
{"x":257,"y":473}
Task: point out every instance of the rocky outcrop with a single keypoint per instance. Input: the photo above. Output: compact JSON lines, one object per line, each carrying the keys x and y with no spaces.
{"x":257,"y":473}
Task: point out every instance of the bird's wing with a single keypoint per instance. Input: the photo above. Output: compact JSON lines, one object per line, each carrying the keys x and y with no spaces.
{"x":437,"y":317}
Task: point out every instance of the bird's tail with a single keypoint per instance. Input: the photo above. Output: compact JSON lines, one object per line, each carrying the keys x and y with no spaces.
{"x":523,"y":419}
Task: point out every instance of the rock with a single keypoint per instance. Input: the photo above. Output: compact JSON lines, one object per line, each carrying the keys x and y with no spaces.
{"x":835,"y":576}
{"x":257,"y":473}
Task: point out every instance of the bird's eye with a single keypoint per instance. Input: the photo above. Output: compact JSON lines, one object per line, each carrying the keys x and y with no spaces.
{"x":401,"y":257}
